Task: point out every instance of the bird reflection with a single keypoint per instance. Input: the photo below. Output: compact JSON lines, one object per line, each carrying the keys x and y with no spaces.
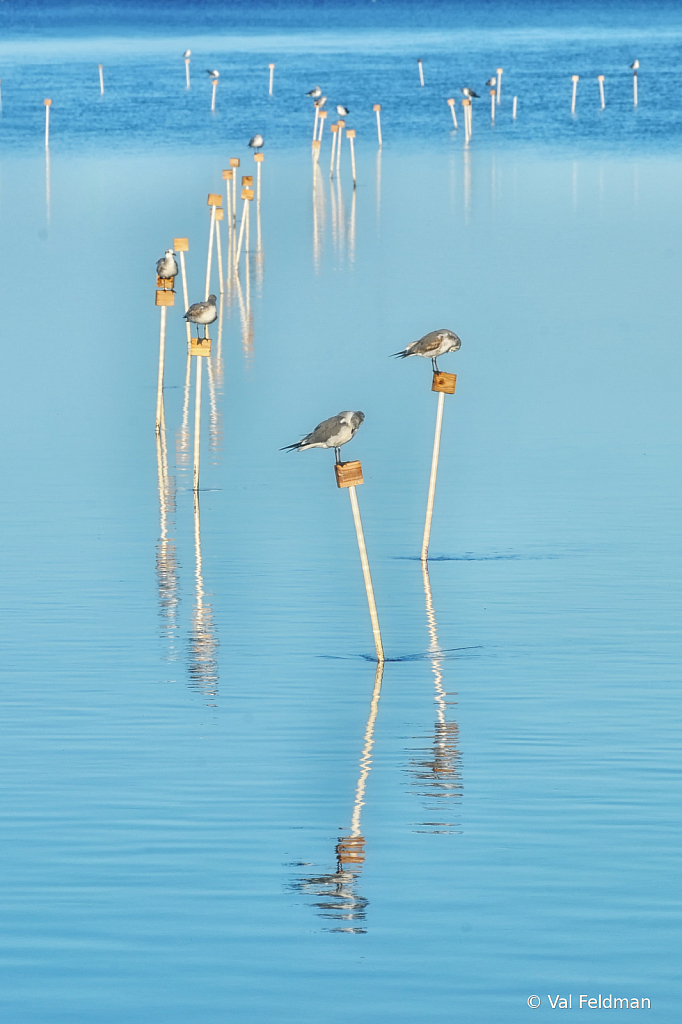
{"x":166,"y":557}
{"x":338,"y":901}
{"x":437,"y":768}
{"x":203,"y":644}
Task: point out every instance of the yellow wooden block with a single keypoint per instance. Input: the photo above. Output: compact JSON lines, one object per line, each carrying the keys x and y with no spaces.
{"x":348,"y":474}
{"x":200,"y":347}
{"x":247,"y":193}
{"x":48,"y":103}
{"x":219,"y":214}
{"x":316,"y":144}
{"x":227,"y":175}
{"x":214,"y":199}
{"x":165,"y":283}
{"x":342,"y":124}
{"x":444,"y":382}
{"x":164,"y":298}
{"x":350,"y":133}
{"x":323,"y":114}
{"x":377,"y":106}
{"x":333,"y":127}
{"x":181,"y":244}
{"x":258,"y":157}
{"x":234,"y":161}
{"x":451,"y":103}
{"x":247,"y":180}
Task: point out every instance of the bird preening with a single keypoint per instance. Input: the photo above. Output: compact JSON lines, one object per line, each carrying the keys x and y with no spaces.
{"x":432,"y":345}
{"x":331,"y":433}
{"x":203,"y":312}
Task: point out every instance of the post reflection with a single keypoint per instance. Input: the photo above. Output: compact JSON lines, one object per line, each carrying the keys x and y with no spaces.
{"x":467,"y":182}
{"x":378,"y":185}
{"x":214,"y":369}
{"x":338,"y":901}
{"x":437,"y":768}
{"x":48,"y":189}
{"x":166,"y":556}
{"x":351,"y":230}
{"x":246,"y":319}
{"x":203,"y":643}
{"x":318,"y":215}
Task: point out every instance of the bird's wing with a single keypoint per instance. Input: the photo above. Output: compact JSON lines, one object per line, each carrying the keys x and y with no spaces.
{"x":324,"y":431}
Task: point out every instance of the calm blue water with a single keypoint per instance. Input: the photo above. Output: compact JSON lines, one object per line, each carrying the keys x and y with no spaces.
{"x":195,"y":736}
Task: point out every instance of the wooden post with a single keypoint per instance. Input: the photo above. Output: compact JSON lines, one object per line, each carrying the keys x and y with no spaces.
{"x":234,"y":163}
{"x":201,"y":348}
{"x":349,"y":474}
{"x":272,"y":74}
{"x":258,"y":157}
{"x":514,"y":108}
{"x":499,"y":83}
{"x":101,"y":79}
{"x":247,"y":195}
{"x":164,"y":299}
{"x":421,"y":71}
{"x":334,"y":129}
{"x":444,"y":384}
{"x":219,"y":248}
{"x":492,"y":106}
{"x":48,"y":104}
{"x":215,"y":86}
{"x":316,"y":151}
{"x":600,"y":79}
{"x":323,"y":117}
{"x":247,"y":182}
{"x":634,"y":88}
{"x":377,"y":110}
{"x":350,"y":135}
{"x":181,"y":246}
{"x":466,"y":104}
{"x":451,"y":104}
{"x":214,"y":200}
{"x":342,"y":125}
{"x":227,"y":178}
{"x":574,"y":79}
{"x":317,"y":114}
{"x":187,"y":72}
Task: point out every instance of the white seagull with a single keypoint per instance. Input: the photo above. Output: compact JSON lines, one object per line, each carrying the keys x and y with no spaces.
{"x":203,"y":312}
{"x":257,"y":142}
{"x":187,"y":54}
{"x":331,"y":433}
{"x":491,"y":81}
{"x":213,"y":74}
{"x":432,"y":345}
{"x":314,"y":93}
{"x":469,"y":93}
{"x":321,"y":102}
{"x":166,"y":266}
{"x":634,"y":65}
{"x":342,"y":111}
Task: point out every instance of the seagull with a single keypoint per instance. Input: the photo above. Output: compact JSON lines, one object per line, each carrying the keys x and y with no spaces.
{"x":321,"y":102}
{"x":469,"y":93}
{"x":202,"y":312}
{"x":257,"y":142}
{"x":166,"y":266}
{"x":491,"y":81}
{"x":187,"y":54}
{"x":213,"y":74}
{"x":432,"y":345}
{"x":315,"y":92}
{"x":634,"y":65}
{"x":342,"y":111}
{"x":331,"y":433}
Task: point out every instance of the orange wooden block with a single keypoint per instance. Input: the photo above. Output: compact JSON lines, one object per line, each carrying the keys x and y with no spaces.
{"x":351,"y":850}
{"x":48,"y":103}
{"x":234,"y":161}
{"x":200,"y":347}
{"x":350,"y":133}
{"x":258,"y":157}
{"x":466,"y":103}
{"x":444,"y":382}
{"x":165,"y":283}
{"x":164,"y":298}
{"x":247,"y":193}
{"x":214,"y":199}
{"x":181,"y":244}
{"x":219,"y":215}
{"x":247,"y":180}
{"x":342,"y":124}
{"x":227,"y":175}
{"x":316,"y":144}
{"x":377,"y":106}
{"x":451,"y":103}
{"x":333,"y":127}
{"x":348,"y":474}
{"x":323,"y":114}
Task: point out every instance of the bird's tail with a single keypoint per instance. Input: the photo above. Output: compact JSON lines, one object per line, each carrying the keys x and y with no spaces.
{"x":292,"y":447}
{"x":400,"y":355}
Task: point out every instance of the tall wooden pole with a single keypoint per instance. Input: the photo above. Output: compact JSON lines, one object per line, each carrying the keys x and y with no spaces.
{"x":48,"y":104}
{"x":421,"y":71}
{"x":350,"y":135}
{"x":197,"y":423}
{"x":101,"y":79}
{"x":272,"y":73}
{"x":164,"y":298}
{"x":574,"y":79}
{"x":215,"y":86}
{"x":187,"y":72}
{"x":499,"y":83}
{"x":214,"y":200}
{"x":342,"y":125}
{"x":444,"y":384}
{"x":377,"y":110}
{"x":334,"y":129}
{"x":600,"y":79}
{"x":451,"y":104}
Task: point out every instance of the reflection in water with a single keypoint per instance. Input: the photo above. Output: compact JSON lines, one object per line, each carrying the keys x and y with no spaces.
{"x":351,"y":230}
{"x":337,"y":901}
{"x":246,"y":318}
{"x":203,"y":644}
{"x":182,"y":437}
{"x":467,"y":184}
{"x":378,"y":185}
{"x":318,"y":214}
{"x":214,"y":369}
{"x":166,"y":558}
{"x":437,"y":768}
{"x":48,"y":188}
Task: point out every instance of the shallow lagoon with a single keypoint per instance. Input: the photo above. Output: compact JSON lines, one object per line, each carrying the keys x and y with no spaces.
{"x":181,"y":751}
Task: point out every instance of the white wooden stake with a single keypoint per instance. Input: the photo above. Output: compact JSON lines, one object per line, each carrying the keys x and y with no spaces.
{"x":317,"y":114}
{"x":241,"y":235}
{"x":197,"y":421}
{"x":162,"y":356}
{"x":48,"y":104}
{"x":514,"y":108}
{"x":219,"y":253}
{"x":600,"y":79}
{"x":492,"y":106}
{"x":451,"y":104}
{"x":209,"y":259}
{"x":499,"y":83}
{"x":434,"y":473}
{"x":185,"y":295}
{"x":421,"y":71}
{"x":101,"y":79}
{"x":334,"y":129}
{"x":367,"y":575}
{"x":215,"y":86}
{"x":187,"y":72}
{"x":272,"y":74}
{"x":634,"y":88}
{"x":342,"y":125}
{"x":377,"y":111}
{"x":574,"y":79}
{"x":350,"y":135}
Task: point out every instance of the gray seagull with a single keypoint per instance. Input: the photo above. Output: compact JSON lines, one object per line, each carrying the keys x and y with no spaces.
{"x":342,"y":111}
{"x":491,"y":81}
{"x":257,"y":142}
{"x":432,"y":345}
{"x":635,"y":65}
{"x":331,"y":433}
{"x":166,"y":266}
{"x":315,"y":92}
{"x":469,"y":93}
{"x":203,"y":312}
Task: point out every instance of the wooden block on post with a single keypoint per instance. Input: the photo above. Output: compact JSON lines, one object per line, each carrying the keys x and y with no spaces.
{"x":48,"y":103}
{"x":164,"y":298}
{"x":377,"y":106}
{"x":451,"y":103}
{"x":348,"y":474}
{"x":333,"y":127}
{"x":350,"y":133}
{"x":227,"y":175}
{"x":200,"y":347}
{"x":444,"y":382}
{"x":165,"y":283}
{"x":234,"y":161}
{"x":247,"y":193}
{"x":219,"y":214}
{"x":214,"y":199}
{"x":258,"y":157}
{"x":316,"y":144}
{"x":247,"y":180}
{"x":181,"y":244}
{"x":341,"y":124}
{"x":323,"y":114}
{"x":351,"y":850}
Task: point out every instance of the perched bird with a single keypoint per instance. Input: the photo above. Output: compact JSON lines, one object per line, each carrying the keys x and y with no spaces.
{"x":331,"y":433}
{"x":469,"y":93}
{"x":492,"y":82}
{"x":634,"y":65}
{"x":203,"y":312}
{"x":257,"y":142}
{"x":314,"y":93}
{"x":321,"y":102}
{"x":213,"y":74}
{"x":342,"y":111}
{"x":166,"y":266}
{"x":187,"y":54}
{"x":432,"y":345}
